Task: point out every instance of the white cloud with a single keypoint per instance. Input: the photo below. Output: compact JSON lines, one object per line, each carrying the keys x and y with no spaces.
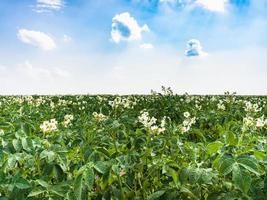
{"x":146,"y":46}
{"x":36,"y":38}
{"x":66,"y":38}
{"x":167,"y":1}
{"x":213,"y":5}
{"x":41,"y":73}
{"x":194,"y":48}
{"x":245,"y":71}
{"x":48,"y":5}
{"x":181,"y":2}
{"x":35,"y":73}
{"x":61,"y":73}
{"x":2,"y":68}
{"x":126,"y":28}
{"x":133,"y":71}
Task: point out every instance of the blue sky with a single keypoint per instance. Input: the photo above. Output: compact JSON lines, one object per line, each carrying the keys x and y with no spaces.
{"x":133,"y":46}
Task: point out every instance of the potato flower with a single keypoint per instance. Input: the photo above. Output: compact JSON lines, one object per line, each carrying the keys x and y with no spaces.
{"x":49,"y":126}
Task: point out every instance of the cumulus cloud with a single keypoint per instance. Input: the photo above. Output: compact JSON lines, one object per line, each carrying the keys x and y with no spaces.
{"x":194,"y":48}
{"x":36,"y":38}
{"x":146,"y":46}
{"x":126,"y":28}
{"x":48,"y":5}
{"x":212,"y":5}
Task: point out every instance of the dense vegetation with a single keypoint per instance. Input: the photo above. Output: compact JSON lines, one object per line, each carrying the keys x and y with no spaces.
{"x":160,"y":146}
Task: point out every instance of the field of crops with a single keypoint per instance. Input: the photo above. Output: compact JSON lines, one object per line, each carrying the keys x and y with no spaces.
{"x":160,"y":146}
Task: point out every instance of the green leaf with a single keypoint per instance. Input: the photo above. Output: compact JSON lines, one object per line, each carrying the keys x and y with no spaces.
{"x":16,"y":144}
{"x":249,"y":164}
{"x":226,"y":165}
{"x":241,"y":179}
{"x":259,"y":155}
{"x":50,"y":155}
{"x":4,"y":198}
{"x":207,"y":175}
{"x":156,"y":195}
{"x":214,"y":147}
{"x":24,"y":143}
{"x":174,"y":175}
{"x":78,"y":187}
{"x":188,"y":192}
{"x":42,"y":183}
{"x":89,"y":177}
{"x":36,"y":192}
{"x":59,"y":193}
{"x":11,"y":161}
{"x":231,"y":139}
{"x":102,"y":167}
{"x":22,"y":183}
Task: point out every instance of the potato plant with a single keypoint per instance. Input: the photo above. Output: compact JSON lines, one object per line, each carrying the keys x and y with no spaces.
{"x":158,"y":146}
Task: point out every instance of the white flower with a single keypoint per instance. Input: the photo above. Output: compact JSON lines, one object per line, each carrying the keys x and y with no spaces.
{"x":187,"y":123}
{"x":250,"y":107}
{"x":150,"y":123}
{"x":122,"y":102}
{"x":163,"y":122}
{"x":185,"y":129}
{"x":220,"y":105}
{"x":99,"y":117}
{"x":248,"y":121}
{"x":67,"y":120}
{"x":260,"y":122}
{"x":49,"y":126}
{"x":157,"y":130}
{"x":145,"y":119}
{"x":186,"y":114}
{"x":52,"y":104}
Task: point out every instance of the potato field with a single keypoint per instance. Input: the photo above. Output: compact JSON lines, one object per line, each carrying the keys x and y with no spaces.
{"x":158,"y":146}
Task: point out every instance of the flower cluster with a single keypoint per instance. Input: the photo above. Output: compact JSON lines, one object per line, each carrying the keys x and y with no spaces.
{"x":254,"y":123}
{"x":39,"y":101}
{"x":146,"y":120}
{"x":188,"y":122}
{"x":198,"y":105}
{"x":250,"y":107}
{"x":248,"y":122}
{"x":261,"y":122}
{"x":32,"y":101}
{"x":99,"y":117}
{"x":49,"y":126}
{"x":67,"y":120}
{"x":220,"y":105}
{"x":62,"y":102}
{"x":52,"y":105}
{"x":19,"y":100}
{"x":122,"y":102}
{"x":150,"y":123}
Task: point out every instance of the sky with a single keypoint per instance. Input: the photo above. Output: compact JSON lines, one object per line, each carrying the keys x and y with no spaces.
{"x":133,"y":46}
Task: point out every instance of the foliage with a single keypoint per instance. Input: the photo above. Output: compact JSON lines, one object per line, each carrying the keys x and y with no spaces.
{"x":159,"y":146}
